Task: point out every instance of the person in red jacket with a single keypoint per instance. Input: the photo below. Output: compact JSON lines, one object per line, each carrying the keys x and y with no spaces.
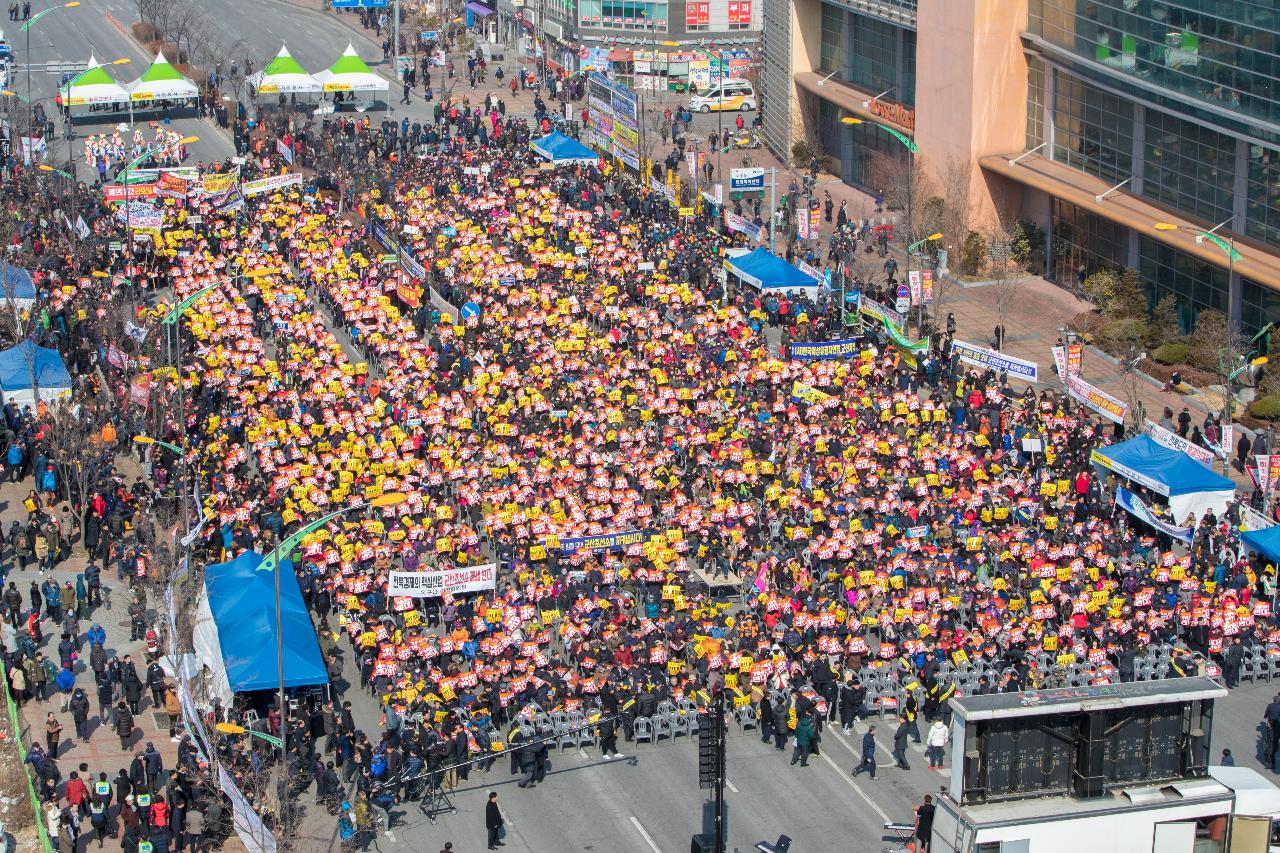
{"x":77,"y":794}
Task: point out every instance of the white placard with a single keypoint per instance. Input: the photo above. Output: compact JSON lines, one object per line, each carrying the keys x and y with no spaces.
{"x":435,"y":583}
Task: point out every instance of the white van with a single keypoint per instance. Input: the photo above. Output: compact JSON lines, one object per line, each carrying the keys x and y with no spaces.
{"x":732,"y":95}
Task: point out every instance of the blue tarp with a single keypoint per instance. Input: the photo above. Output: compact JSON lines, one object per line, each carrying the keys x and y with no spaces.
{"x":767,"y":271}
{"x":1169,"y":472}
{"x":1267,"y":541}
{"x":242,"y":600}
{"x":18,"y":363}
{"x":16,"y":283}
{"x":559,"y":148}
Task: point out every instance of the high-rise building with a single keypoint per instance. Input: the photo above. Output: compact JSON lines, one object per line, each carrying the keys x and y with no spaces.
{"x":1095,"y":119}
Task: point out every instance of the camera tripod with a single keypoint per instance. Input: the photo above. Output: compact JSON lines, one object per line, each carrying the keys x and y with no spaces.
{"x":435,"y":800}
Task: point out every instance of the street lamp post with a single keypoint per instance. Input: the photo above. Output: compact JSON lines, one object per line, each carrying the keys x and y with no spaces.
{"x":1228,"y":246}
{"x":920,"y":304}
{"x":912,"y":150}
{"x":271,"y":563}
{"x":26,"y":30}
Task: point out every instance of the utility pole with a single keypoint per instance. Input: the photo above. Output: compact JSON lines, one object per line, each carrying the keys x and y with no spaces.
{"x":395,"y":47}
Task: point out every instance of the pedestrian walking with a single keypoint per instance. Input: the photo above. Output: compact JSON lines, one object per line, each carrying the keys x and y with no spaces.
{"x":868,"y":763}
{"x":935,"y":743}
{"x":900,"y":743}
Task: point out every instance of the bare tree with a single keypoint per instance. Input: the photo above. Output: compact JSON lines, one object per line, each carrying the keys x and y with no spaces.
{"x":1006,"y":275}
{"x":73,"y":434}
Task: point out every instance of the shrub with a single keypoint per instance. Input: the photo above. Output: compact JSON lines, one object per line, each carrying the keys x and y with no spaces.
{"x":973,"y":254}
{"x":803,"y":151}
{"x":1118,"y":334}
{"x":1208,"y":339}
{"x":144,"y":32}
{"x":1117,"y":294}
{"x":1175,"y":353}
{"x":1025,"y":239}
{"x":1164,"y":327}
{"x":1266,"y":408}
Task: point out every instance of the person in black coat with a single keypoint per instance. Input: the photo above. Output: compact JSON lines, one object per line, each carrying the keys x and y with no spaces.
{"x":766,"y":720}
{"x":493,"y":821}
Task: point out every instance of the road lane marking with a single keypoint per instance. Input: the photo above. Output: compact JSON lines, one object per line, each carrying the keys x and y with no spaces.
{"x":648,"y":840}
{"x":732,"y":787}
{"x":854,"y":786}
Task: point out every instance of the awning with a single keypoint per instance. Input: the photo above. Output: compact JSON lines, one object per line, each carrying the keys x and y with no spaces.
{"x":619,"y":54}
{"x":479,"y":9}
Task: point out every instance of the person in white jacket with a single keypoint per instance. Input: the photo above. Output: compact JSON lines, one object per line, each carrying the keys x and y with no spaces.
{"x":935,"y":742}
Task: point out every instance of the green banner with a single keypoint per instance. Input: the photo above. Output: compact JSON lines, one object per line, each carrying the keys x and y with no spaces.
{"x":901,"y":341}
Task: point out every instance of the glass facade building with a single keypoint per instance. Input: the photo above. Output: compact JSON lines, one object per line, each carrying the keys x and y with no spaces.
{"x":1221,"y":52}
{"x":1179,"y":100}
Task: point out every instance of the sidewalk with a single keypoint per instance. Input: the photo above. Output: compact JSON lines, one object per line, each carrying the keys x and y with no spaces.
{"x":101,"y":751}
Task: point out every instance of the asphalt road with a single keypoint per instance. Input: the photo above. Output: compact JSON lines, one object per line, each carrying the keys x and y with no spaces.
{"x":101,"y":29}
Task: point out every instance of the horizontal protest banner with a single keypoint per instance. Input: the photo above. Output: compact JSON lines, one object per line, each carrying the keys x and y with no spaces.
{"x":604,"y":542}
{"x":266,"y":185}
{"x":807,"y":393}
{"x":825,"y":349}
{"x":1133,"y":505}
{"x":989,"y":358}
{"x":1097,"y":399}
{"x":435,"y":583}
{"x":1173,"y":441}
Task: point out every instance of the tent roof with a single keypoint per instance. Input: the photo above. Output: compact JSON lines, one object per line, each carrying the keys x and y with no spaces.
{"x":350,"y":73}
{"x":159,"y":70}
{"x":242,"y":600}
{"x":93,"y":75}
{"x":16,"y":283}
{"x":350,"y":63}
{"x":161,"y":81}
{"x":19,"y":362}
{"x":93,"y":86}
{"x":1170,"y":472}
{"x":764,"y":269}
{"x":559,"y":148}
{"x":284,"y":63}
{"x":284,"y":74}
{"x":1266,"y":540}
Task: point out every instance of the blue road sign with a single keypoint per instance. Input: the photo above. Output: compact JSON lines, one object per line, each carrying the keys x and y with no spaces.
{"x":470,"y":309}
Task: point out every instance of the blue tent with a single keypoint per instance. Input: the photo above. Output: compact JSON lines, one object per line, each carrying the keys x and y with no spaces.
{"x":241,"y":600}
{"x":19,"y":364}
{"x":1190,"y":487}
{"x":559,"y":148}
{"x":1266,"y":540}
{"x":765,"y":270}
{"x":16,"y":285}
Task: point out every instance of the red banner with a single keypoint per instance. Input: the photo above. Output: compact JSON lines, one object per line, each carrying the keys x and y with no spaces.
{"x":696,"y":14}
{"x":120,"y":192}
{"x":409,"y":294}
{"x":740,"y":12}
{"x":171,"y":185}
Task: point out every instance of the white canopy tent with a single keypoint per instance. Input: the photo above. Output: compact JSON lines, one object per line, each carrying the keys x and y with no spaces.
{"x":350,"y":74}
{"x":91,"y":87}
{"x":162,"y":82}
{"x":284,"y":76}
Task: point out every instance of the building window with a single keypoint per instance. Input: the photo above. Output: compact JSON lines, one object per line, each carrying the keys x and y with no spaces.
{"x":1084,"y":243}
{"x":1196,"y":284}
{"x":832,"y":59}
{"x":1222,"y":52}
{"x":1035,"y":102}
{"x":1259,"y":305}
{"x":1188,"y":167}
{"x":1263,"y":206}
{"x":873,"y":53}
{"x":1092,"y":129}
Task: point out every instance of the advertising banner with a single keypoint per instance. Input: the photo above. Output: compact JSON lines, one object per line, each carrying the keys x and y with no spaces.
{"x":435,"y":583}
{"x":741,"y":224}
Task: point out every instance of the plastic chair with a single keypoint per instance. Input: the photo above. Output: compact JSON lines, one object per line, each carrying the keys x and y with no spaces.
{"x":679,"y":724}
{"x":642,"y":729}
{"x":661,"y":728}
